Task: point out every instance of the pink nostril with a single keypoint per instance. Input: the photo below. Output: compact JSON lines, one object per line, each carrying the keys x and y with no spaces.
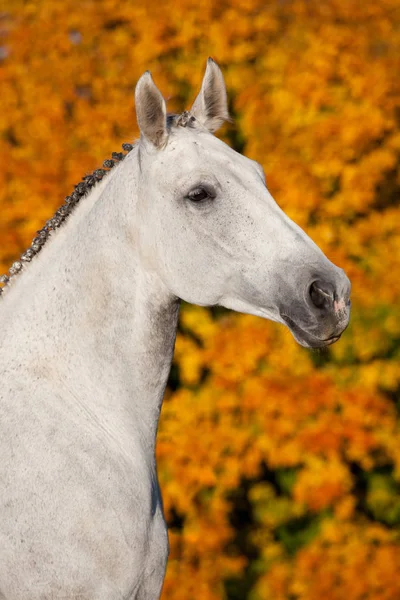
{"x":339,"y":305}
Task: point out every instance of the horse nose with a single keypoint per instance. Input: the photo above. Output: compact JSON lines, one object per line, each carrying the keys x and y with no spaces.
{"x":322,"y":294}
{"x":331,"y":296}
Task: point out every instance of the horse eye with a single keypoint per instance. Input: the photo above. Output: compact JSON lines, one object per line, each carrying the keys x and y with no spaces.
{"x":198,"y":195}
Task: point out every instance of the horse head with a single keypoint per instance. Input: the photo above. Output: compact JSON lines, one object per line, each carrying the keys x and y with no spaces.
{"x":214,"y":233}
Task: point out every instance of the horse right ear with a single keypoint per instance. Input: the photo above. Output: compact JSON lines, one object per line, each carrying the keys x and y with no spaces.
{"x":211,"y":105}
{"x":151,"y":111}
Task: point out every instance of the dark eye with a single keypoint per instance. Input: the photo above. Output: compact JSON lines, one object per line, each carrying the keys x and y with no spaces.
{"x":198,"y":194}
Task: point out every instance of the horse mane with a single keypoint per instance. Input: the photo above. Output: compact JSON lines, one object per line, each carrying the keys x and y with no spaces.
{"x":63,"y":212}
{"x":82,"y":189}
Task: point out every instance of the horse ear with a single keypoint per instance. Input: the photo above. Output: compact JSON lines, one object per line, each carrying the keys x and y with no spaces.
{"x":211,"y":105}
{"x":151,"y":111}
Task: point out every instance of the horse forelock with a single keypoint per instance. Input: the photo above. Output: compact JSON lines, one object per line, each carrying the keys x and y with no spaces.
{"x":185,"y":119}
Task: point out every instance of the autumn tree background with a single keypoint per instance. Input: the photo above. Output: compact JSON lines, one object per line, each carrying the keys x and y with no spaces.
{"x":280,"y":467}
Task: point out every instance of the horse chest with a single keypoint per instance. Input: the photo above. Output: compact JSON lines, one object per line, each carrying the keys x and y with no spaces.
{"x":81,"y":517}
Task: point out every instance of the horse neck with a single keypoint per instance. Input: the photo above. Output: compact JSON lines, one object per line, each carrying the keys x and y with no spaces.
{"x":87,"y":316}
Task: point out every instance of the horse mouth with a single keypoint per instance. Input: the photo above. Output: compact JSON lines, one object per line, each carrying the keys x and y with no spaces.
{"x":307,"y":339}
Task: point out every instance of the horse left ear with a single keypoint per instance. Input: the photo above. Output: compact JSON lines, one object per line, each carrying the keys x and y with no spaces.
{"x":211,"y":105}
{"x":151,"y":111}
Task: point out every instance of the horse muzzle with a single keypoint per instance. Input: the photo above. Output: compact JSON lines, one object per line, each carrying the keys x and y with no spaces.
{"x":320,"y":317}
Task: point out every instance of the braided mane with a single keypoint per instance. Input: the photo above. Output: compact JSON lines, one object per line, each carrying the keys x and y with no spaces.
{"x":62,"y":213}
{"x":184,"y":119}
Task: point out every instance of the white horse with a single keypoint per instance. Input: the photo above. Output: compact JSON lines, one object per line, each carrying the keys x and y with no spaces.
{"x":88,"y":332}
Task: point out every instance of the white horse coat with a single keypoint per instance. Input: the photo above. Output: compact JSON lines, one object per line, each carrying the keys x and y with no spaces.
{"x":88,"y":331}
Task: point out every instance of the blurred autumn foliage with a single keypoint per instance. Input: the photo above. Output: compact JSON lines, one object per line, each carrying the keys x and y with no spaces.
{"x":280,"y":468}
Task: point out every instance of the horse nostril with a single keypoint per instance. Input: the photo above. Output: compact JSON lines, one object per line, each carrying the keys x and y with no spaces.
{"x":321,"y":294}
